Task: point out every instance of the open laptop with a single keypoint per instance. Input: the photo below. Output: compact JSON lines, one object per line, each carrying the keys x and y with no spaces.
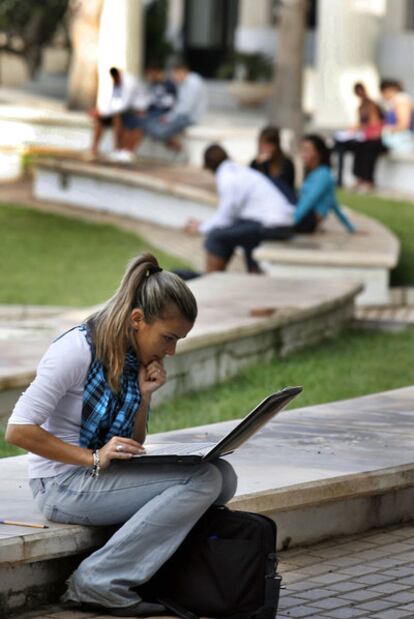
{"x":195,"y":452}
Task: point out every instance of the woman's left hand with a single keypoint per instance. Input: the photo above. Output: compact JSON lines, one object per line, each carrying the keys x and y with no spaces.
{"x":151,"y":377}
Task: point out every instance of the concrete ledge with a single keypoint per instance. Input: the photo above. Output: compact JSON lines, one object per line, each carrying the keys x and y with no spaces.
{"x":169,"y":196}
{"x":322,"y":492}
{"x":131,"y":193}
{"x":320,"y":471}
{"x":41,"y":125}
{"x":332,"y":253}
{"x":225,"y":338}
{"x":135,"y":178}
{"x":395,"y":173}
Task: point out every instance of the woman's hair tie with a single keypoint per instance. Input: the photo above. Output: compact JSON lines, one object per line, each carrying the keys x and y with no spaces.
{"x":152,"y":270}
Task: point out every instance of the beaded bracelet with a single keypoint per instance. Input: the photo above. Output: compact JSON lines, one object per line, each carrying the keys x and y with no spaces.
{"x":96,"y":468}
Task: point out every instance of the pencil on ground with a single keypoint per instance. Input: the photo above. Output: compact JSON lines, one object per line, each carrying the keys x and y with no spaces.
{"x":17,"y":523}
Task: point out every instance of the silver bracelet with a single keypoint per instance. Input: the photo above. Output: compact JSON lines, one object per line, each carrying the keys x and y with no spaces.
{"x":96,"y":468}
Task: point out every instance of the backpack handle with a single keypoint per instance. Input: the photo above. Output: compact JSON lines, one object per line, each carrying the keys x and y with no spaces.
{"x":177,"y":609}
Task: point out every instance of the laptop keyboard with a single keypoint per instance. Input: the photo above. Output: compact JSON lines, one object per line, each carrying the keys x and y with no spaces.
{"x":176,"y":449}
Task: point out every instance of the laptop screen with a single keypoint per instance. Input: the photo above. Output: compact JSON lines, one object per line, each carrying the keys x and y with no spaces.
{"x":267,"y":409}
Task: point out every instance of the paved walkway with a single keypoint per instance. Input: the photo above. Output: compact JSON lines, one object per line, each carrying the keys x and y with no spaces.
{"x":370,"y":575}
{"x":367,"y":576}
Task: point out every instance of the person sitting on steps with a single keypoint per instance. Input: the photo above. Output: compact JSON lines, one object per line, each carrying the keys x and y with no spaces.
{"x":84,"y":418}
{"x":250,"y":209}
{"x":274,"y":163}
{"x":188,"y":110}
{"x":162,"y":94}
{"x":114,"y":109}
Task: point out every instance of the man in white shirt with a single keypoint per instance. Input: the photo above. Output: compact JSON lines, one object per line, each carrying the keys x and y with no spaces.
{"x":190,"y":106}
{"x":250,"y":209}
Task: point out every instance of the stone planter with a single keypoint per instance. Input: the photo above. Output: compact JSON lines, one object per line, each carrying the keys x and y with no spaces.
{"x":250,"y":94}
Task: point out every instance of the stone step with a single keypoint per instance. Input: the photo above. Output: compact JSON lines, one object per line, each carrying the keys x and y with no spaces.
{"x":390,"y":317}
{"x":320,"y":472}
{"x":231,"y":331}
{"x":170,"y":195}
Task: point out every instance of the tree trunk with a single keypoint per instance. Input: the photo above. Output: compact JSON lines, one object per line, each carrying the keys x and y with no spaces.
{"x":286,"y":103}
{"x":83,"y":73}
{"x":33,"y":58}
{"x":32,"y":38}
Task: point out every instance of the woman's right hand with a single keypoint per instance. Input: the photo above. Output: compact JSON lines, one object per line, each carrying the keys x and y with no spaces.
{"x":119,"y":448}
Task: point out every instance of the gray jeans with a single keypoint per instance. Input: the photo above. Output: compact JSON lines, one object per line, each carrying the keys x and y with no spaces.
{"x":156,"y":505}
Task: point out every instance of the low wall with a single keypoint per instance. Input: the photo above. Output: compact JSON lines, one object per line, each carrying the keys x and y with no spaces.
{"x":206,"y":366}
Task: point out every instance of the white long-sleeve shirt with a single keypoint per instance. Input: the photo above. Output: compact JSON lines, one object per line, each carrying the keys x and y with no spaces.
{"x":54,"y":400}
{"x":130,"y":94}
{"x":247,"y":194}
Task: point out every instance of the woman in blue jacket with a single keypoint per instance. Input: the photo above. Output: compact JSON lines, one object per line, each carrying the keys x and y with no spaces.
{"x":317,"y":194}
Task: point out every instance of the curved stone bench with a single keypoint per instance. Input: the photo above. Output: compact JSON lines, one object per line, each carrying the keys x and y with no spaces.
{"x":170,"y":195}
{"x":57,"y":128}
{"x":395,"y":172}
{"x":227,"y":336}
{"x":367,"y":256}
{"x":321,"y":471}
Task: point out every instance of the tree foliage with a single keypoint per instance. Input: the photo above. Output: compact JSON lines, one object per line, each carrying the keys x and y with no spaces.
{"x":27,"y":26}
{"x":157,"y":48}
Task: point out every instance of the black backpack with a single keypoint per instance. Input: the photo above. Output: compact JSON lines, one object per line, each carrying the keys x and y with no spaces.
{"x":226,"y":567}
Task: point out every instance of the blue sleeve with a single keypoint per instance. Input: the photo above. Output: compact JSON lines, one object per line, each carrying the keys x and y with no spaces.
{"x":343,"y":218}
{"x":314,"y":188}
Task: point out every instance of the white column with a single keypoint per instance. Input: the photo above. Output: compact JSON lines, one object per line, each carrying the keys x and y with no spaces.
{"x":120,"y":40}
{"x":175,"y":22}
{"x":347,"y":40}
{"x":254,"y":32}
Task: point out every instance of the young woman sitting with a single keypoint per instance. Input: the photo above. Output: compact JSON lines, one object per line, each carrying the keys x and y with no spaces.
{"x":317,"y":195}
{"x":273,"y":163}
{"x":84,"y":418}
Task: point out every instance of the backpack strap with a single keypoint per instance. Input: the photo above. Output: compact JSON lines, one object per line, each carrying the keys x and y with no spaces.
{"x":178,"y":610}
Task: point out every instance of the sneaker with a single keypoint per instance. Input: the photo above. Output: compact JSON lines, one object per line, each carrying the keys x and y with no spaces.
{"x":121,"y":156}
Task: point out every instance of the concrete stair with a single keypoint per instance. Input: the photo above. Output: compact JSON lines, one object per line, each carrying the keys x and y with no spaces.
{"x":320,"y":472}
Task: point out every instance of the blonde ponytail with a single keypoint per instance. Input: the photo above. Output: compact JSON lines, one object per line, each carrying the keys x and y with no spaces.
{"x":146,"y":286}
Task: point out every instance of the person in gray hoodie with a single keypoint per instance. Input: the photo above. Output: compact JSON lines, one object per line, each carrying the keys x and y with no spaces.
{"x":190,"y":106}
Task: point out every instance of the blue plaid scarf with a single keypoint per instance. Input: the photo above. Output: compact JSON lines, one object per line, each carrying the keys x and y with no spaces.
{"x":104,"y":413}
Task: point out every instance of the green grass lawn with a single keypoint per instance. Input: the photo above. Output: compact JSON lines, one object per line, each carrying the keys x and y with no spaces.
{"x":53,"y":260}
{"x":356,"y":363}
{"x":353,"y":364}
{"x":6,"y":449}
{"x":398,"y":216}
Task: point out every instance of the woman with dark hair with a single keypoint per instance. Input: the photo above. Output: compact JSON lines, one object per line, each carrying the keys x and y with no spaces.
{"x":273,"y":162}
{"x":84,"y":418}
{"x":317,"y":194}
{"x":363,"y":140}
{"x":398,"y":133}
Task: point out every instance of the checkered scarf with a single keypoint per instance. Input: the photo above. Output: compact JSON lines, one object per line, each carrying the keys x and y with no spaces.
{"x":104,"y":413}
